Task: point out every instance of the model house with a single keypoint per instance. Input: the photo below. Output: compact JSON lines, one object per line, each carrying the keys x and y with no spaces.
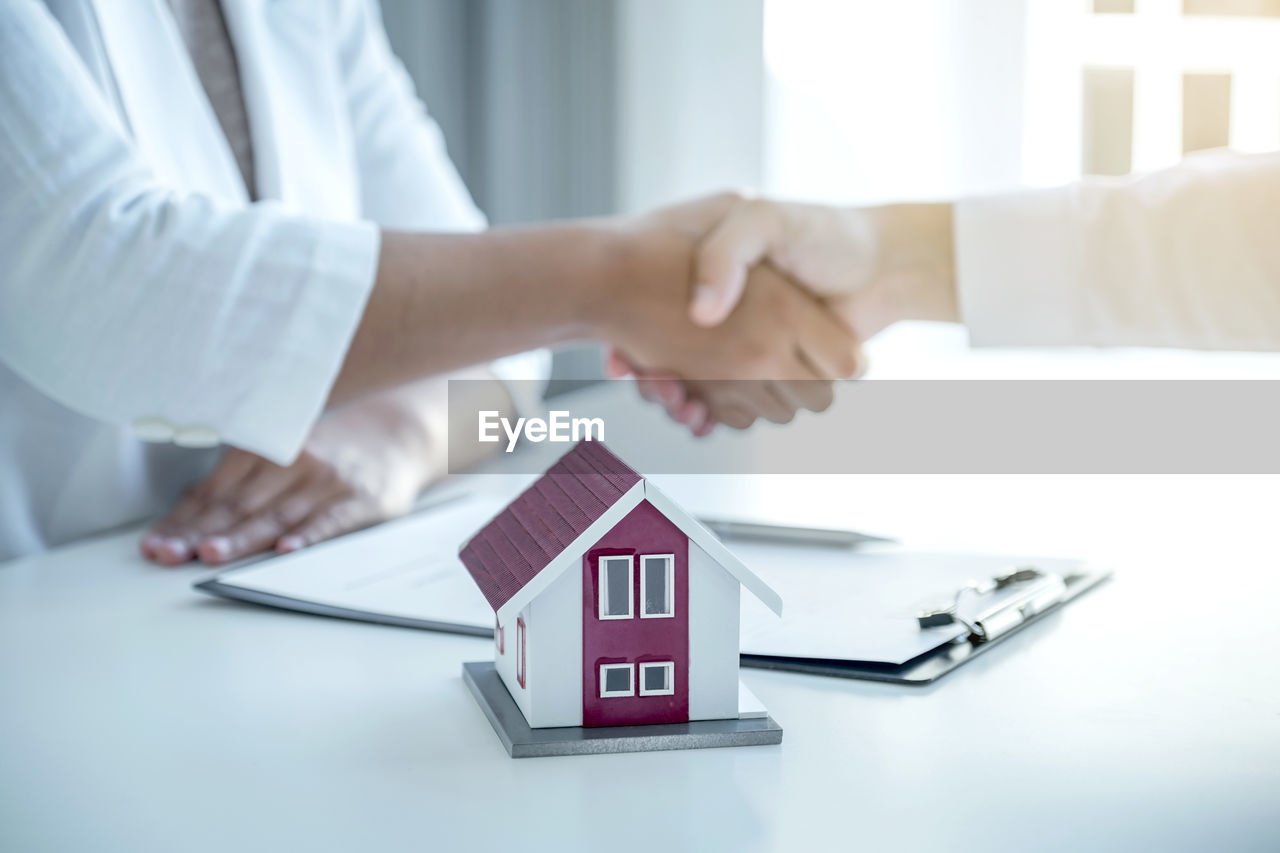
{"x":613,"y":605}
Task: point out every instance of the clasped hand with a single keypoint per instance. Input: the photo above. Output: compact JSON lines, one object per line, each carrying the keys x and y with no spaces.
{"x":773,"y":348}
{"x":860,"y":268}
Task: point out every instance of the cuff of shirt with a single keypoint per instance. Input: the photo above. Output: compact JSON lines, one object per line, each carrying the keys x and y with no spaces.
{"x":1018,"y":270}
{"x":275,"y":417}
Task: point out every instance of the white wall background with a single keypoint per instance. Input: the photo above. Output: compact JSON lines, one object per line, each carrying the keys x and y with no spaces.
{"x":690,"y":99}
{"x":877,"y":101}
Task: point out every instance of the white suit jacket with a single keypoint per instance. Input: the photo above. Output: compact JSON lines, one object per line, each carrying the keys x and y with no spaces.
{"x":141,"y":295}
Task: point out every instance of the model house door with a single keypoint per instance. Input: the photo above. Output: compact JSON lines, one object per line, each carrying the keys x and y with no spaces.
{"x":635,"y":623}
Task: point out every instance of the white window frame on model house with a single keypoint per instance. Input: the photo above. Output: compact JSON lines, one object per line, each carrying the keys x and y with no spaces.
{"x":522,"y":672}
{"x":602,"y":582}
{"x":670,"y":668}
{"x":669,"y":583}
{"x":617,"y":694}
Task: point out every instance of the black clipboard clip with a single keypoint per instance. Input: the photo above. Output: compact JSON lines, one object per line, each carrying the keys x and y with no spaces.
{"x":1036,"y":591}
{"x":1036,"y":598}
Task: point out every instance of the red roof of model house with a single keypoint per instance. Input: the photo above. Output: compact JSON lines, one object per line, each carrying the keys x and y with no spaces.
{"x":566,"y":510}
{"x":545,"y":520}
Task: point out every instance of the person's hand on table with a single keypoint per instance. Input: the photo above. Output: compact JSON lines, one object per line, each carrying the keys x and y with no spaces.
{"x":784,"y":345}
{"x":871,"y":267}
{"x":363,"y":463}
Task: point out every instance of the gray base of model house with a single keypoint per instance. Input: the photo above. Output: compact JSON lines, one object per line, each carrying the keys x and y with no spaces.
{"x":521,"y":741}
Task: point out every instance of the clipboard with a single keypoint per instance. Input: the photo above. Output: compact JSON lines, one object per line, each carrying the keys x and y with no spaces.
{"x":932,"y":665}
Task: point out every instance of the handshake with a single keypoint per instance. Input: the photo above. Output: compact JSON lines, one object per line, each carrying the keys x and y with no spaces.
{"x":781,"y":294}
{"x":776,"y":298}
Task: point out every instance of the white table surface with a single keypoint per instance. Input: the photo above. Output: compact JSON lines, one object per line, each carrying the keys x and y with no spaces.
{"x":137,"y":714}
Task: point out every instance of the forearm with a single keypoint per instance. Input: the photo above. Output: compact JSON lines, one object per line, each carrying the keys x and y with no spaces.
{"x":443,"y":301}
{"x":416,"y":419}
{"x":1182,"y":258}
{"x":363,"y":462}
{"x":913,"y":275}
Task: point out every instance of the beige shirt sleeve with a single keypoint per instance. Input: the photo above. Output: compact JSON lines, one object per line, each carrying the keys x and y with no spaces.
{"x":1187,"y":257}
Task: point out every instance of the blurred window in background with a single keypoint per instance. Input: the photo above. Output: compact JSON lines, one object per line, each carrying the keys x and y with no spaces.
{"x":1150,"y":81}
{"x":923,"y":98}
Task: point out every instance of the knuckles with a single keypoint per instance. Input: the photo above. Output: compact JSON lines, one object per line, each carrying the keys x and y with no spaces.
{"x":847,"y":362}
{"x":738,"y":419}
{"x":761,"y":354}
{"x":825,"y":396}
{"x":729,"y":199}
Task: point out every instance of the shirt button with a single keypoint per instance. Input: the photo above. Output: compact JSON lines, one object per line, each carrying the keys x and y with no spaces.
{"x":196,"y":436}
{"x":153,"y":429}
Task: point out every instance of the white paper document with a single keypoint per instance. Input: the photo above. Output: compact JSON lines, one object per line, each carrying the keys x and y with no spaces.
{"x":407,"y":569}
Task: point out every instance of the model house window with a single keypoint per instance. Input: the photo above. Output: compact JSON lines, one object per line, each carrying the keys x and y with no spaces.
{"x":615,"y":680}
{"x":657,"y":679}
{"x":499,"y":637}
{"x":520,"y":659}
{"x":657,"y":579}
{"x":615,"y":587}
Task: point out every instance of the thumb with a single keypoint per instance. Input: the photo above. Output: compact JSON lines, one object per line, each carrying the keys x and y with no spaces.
{"x":721,"y":263}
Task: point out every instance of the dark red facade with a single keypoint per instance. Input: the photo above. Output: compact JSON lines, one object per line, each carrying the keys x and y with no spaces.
{"x":636,"y":640}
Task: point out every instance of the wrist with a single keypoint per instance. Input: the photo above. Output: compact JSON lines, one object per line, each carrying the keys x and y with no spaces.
{"x":397,"y":427}
{"x":597,"y":295}
{"x":915,"y":262}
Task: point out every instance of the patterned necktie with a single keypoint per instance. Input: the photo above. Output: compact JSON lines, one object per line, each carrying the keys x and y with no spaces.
{"x":204,"y":29}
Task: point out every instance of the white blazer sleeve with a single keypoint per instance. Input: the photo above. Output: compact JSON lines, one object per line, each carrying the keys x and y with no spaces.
{"x":407,"y":179}
{"x":1186,"y":257}
{"x":125,"y":299}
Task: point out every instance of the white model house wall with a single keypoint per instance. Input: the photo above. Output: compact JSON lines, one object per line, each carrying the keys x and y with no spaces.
{"x":555,"y":653}
{"x":507,"y":661}
{"x":713,"y":638}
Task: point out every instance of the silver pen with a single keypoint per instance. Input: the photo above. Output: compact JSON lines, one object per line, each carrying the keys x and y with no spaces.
{"x":787,"y":533}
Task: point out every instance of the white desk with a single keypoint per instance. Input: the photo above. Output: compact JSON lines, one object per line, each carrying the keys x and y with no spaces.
{"x":138,"y":715}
